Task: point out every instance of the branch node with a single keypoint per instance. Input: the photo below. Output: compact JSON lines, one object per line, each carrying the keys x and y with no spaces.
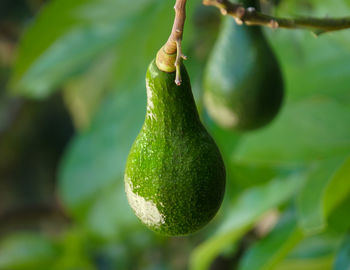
{"x":274,"y":24}
{"x":238,"y":21}
{"x":223,"y":11}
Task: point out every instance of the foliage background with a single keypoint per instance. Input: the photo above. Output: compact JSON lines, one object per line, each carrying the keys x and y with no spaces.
{"x":72,"y":100}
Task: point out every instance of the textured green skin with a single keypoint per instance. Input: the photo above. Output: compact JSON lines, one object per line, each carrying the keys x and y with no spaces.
{"x":243,"y":78}
{"x":174,"y":164}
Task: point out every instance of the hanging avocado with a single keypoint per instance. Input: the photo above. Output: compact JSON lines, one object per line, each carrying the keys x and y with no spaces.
{"x":175,"y":175}
{"x":243,"y":84}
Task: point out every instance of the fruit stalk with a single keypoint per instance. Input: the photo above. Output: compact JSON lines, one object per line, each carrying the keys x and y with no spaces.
{"x":170,"y":55}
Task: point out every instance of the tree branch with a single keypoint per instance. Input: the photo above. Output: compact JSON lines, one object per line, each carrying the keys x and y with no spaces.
{"x":250,"y":16}
{"x":170,"y":55}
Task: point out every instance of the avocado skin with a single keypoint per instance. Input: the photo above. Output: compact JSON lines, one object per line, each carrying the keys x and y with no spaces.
{"x":175,"y":175}
{"x":243,"y":84}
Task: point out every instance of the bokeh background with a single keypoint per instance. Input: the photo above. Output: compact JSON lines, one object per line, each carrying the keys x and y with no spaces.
{"x":72,"y":100}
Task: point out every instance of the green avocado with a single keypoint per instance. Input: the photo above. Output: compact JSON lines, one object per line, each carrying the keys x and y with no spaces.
{"x":175,"y":175}
{"x":243,"y":84}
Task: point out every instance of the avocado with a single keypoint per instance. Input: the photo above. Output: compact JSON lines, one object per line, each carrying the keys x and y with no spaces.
{"x":175,"y":175}
{"x":243,"y":84}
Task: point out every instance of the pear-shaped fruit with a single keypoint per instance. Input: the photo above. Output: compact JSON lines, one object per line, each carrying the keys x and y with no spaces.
{"x":175,"y":175}
{"x":243,"y":83}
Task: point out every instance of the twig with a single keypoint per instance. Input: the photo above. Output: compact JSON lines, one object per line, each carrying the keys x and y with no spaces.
{"x":165,"y":57}
{"x":250,"y":16}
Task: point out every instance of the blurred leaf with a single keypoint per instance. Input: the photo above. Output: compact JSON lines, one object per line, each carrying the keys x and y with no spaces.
{"x":338,"y":188}
{"x":78,"y":31}
{"x":97,"y":157}
{"x":339,"y":218}
{"x":311,"y":214}
{"x":313,"y":253}
{"x":305,"y":131}
{"x":337,"y":8}
{"x":246,"y":210}
{"x":226,"y":140}
{"x":268,"y":252}
{"x":111,"y":216}
{"x":27,"y":251}
{"x":327,"y":185}
{"x":84,"y":94}
{"x":76,"y":251}
{"x":317,"y":246}
{"x":323,"y":263}
{"x":342,"y":261}
{"x":69,"y":55}
{"x":250,"y":174}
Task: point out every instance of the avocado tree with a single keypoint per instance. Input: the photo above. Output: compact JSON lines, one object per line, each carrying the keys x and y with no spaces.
{"x":245,"y":157}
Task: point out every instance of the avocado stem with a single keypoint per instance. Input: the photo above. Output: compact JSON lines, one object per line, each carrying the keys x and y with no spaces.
{"x":170,"y":55}
{"x":179,"y":57}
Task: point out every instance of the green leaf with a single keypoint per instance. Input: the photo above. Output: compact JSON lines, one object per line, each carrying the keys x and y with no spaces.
{"x":27,"y":251}
{"x":326,"y":187}
{"x":246,"y":210}
{"x":306,"y":131}
{"x":342,"y":261}
{"x":268,"y":252}
{"x":78,"y":31}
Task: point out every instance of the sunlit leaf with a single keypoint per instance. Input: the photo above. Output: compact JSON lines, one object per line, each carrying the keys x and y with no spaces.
{"x":82,"y":30}
{"x":326,"y":186}
{"x":84,"y":94}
